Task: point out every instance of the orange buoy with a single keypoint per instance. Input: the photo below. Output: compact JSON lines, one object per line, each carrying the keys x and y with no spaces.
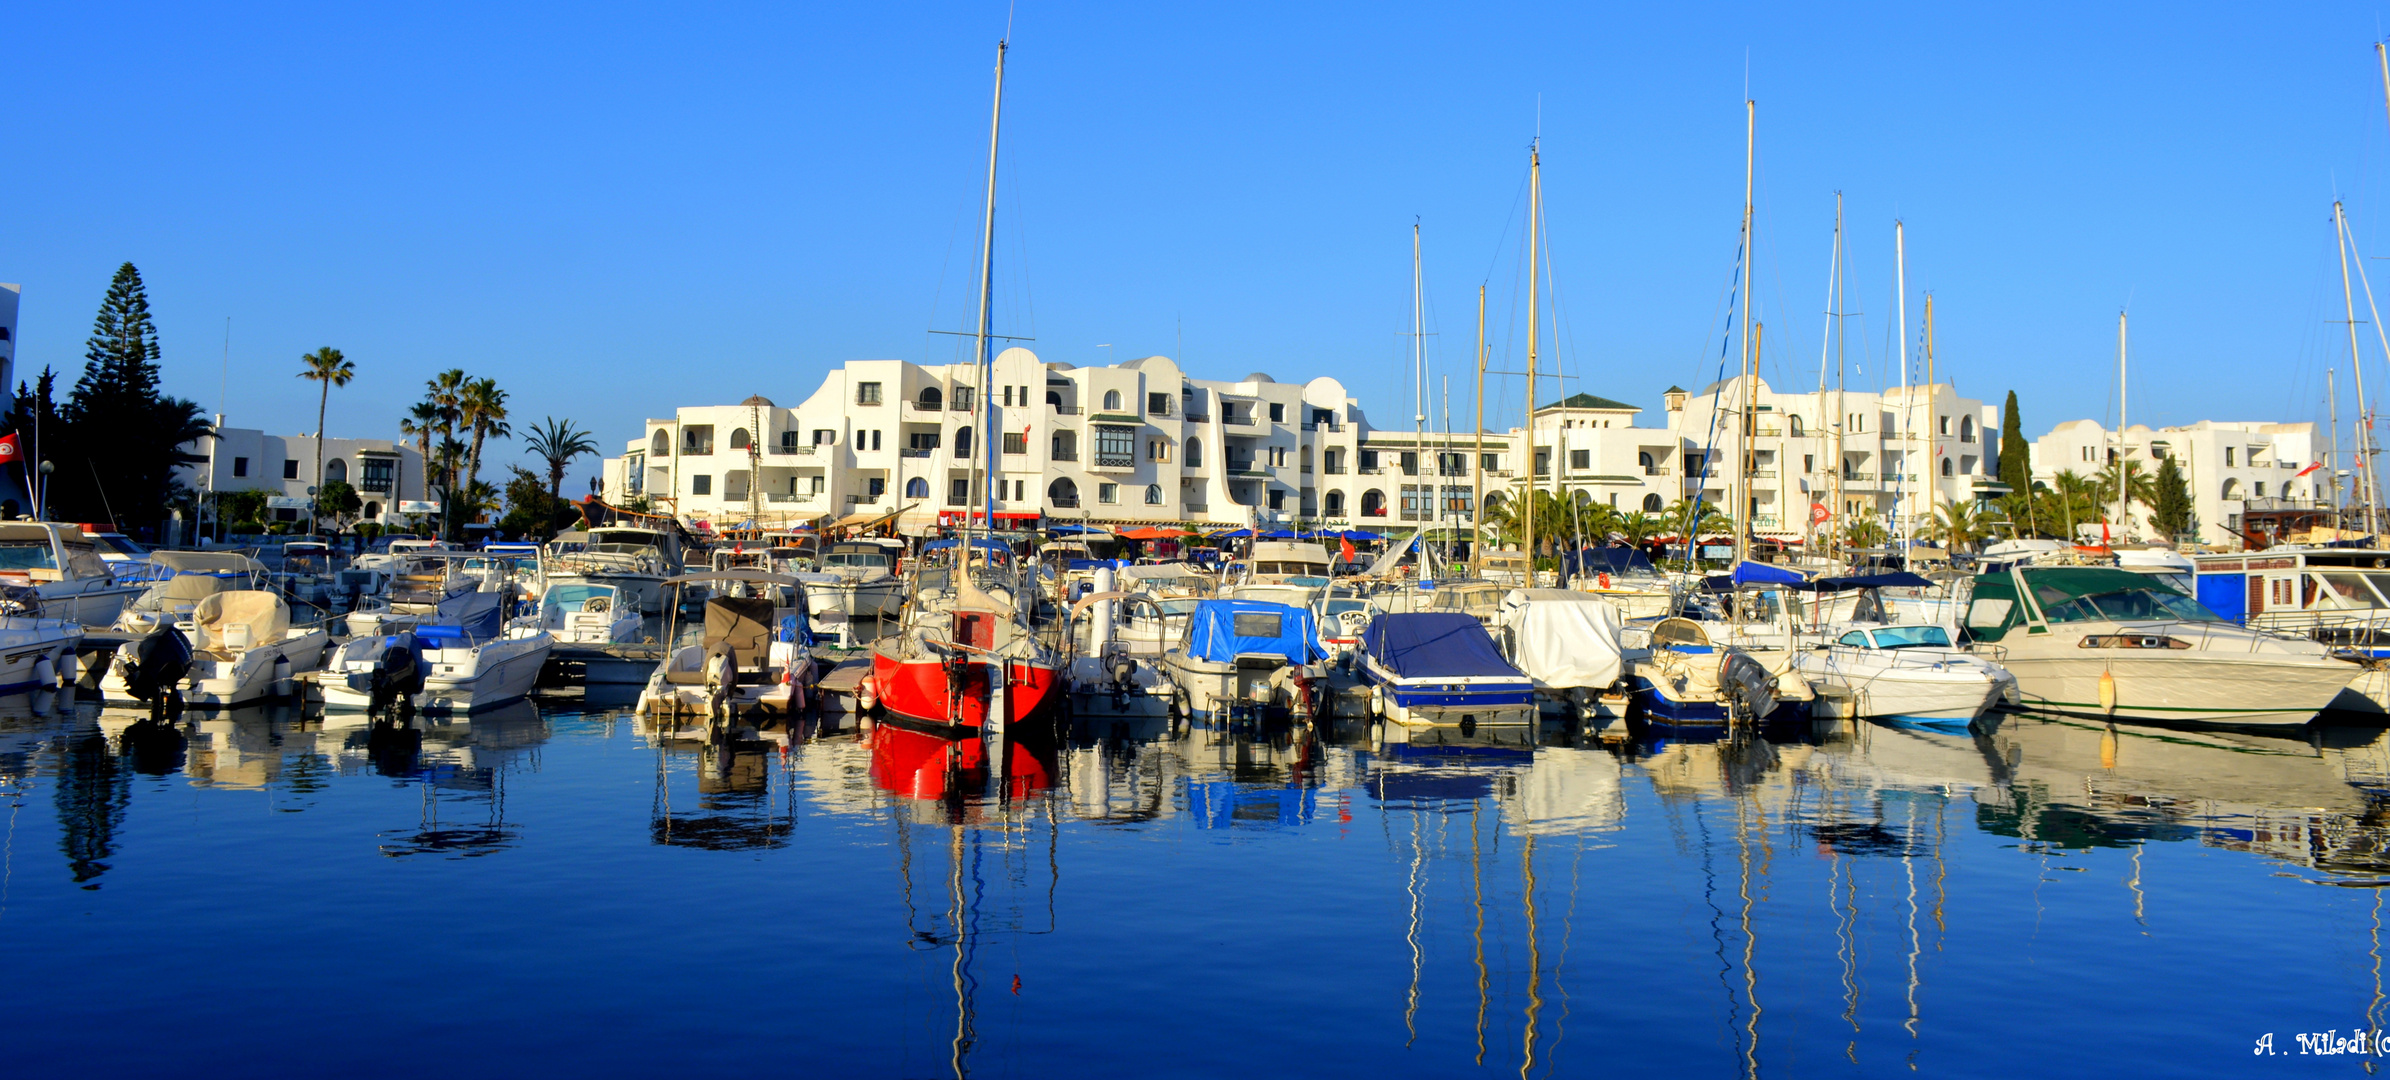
{"x":2108,"y":692}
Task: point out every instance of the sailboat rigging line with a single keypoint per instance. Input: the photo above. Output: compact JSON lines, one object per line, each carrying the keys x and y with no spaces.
{"x":1477,"y":901}
{"x":1717,"y":393}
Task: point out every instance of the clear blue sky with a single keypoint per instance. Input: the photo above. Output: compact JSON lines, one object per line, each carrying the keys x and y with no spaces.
{"x":614,"y":211}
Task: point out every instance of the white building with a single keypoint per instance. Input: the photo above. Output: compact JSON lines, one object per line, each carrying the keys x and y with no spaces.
{"x":2231,"y":467}
{"x":1136,"y":443}
{"x":383,"y":471}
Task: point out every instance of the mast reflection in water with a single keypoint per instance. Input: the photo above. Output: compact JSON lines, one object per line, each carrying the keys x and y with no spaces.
{"x":1850,"y":895}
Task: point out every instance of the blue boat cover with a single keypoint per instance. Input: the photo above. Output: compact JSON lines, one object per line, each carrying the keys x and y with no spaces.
{"x":1754,"y":573}
{"x":465,"y":619}
{"x":1615,"y":561}
{"x":1223,"y":628}
{"x":988,"y":542}
{"x":1898,"y":579}
{"x":1435,"y":644}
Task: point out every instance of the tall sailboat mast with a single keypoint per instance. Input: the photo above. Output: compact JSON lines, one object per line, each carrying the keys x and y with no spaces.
{"x":1477,"y":464}
{"x":990,"y":441}
{"x":2332,"y":454}
{"x":1841,"y":367}
{"x":1740,"y":512}
{"x":1900,"y":308}
{"x":1535,"y":207}
{"x":1926,"y":483}
{"x":2124,"y":505}
{"x":2365,"y":475}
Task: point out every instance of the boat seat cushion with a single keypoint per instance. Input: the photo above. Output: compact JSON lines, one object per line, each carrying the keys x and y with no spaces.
{"x":676,"y":677}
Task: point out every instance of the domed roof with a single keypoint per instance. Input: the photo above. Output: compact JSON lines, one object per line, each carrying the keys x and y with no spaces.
{"x":1260,"y":377}
{"x":759,"y":399}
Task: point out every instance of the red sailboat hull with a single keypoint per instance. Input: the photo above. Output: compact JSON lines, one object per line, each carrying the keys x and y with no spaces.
{"x":925,"y":696}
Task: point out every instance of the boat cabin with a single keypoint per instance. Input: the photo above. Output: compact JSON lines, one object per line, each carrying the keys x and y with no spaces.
{"x":2336,"y":595}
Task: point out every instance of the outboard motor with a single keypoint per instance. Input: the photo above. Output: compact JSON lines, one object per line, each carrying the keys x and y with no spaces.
{"x":154,"y":665}
{"x":395,"y":679}
{"x":1745,"y":684}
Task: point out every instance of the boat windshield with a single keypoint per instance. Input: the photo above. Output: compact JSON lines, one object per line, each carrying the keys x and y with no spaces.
{"x":22,"y":555}
{"x":2341,"y":590}
{"x":1903,"y":637}
{"x":2127,"y":605}
{"x":1339,"y":607}
{"x":117,"y":544}
{"x":856,"y":558}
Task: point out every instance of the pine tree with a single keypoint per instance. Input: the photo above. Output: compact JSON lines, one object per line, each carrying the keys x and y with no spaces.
{"x":2171,"y":512}
{"x":2016,"y":455}
{"x":119,"y":440}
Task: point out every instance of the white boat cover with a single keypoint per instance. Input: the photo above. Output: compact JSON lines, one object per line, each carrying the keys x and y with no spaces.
{"x":263,"y":615}
{"x":1562,"y":640}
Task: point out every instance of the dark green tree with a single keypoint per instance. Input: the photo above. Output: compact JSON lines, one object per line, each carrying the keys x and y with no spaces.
{"x":2016,"y":455}
{"x":558,"y":442}
{"x":531,"y":512}
{"x":339,"y":499}
{"x":2171,"y":511}
{"x":122,"y":439}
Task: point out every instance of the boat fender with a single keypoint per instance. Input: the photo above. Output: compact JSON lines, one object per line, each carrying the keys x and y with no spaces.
{"x":867,"y":696}
{"x":1377,"y":700}
{"x":45,"y":674}
{"x":1602,"y":580}
{"x":2108,"y":692}
{"x":282,"y":675}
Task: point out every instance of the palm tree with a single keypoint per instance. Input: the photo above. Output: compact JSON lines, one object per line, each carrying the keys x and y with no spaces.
{"x":329,"y":369}
{"x":421,"y":423}
{"x":1863,"y":532}
{"x":2141,"y":486}
{"x":559,"y":442}
{"x":2076,"y":499}
{"x":481,"y":408}
{"x":445,"y":393}
{"x":1958,"y":525}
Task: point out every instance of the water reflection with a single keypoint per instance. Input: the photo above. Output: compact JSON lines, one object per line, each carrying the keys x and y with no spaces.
{"x":1841,"y":889}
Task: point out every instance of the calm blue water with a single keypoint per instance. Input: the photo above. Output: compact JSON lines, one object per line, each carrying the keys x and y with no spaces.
{"x":555,"y":891}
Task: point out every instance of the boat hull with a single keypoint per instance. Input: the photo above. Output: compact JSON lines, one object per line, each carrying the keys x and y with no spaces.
{"x":919,"y":694}
{"x":502,"y":671}
{"x":2193,"y":690}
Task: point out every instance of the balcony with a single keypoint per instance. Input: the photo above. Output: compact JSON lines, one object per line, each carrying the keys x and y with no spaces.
{"x":697,"y":449}
{"x":1068,"y":410}
{"x":1194,"y":417}
{"x":1335,"y":468}
{"x":1763,"y":474}
{"x":924,"y":406}
{"x":1858,"y":475}
{"x":1063,"y":455}
{"x":1372,"y":470}
{"x":1197,"y":507}
{"x":785,"y":448}
{"x":863,"y":500}
{"x":785,"y":497}
{"x":1234,"y":420}
{"x":1063,"y":502}
{"x":911,"y":452}
{"x":1655,"y":470}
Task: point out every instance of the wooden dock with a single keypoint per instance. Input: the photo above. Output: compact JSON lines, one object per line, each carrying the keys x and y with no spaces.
{"x":602,"y":665}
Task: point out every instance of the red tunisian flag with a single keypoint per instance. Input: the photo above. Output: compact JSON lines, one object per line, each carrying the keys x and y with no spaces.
{"x":8,"y":449}
{"x":2302,"y":472}
{"x":1348,"y":541}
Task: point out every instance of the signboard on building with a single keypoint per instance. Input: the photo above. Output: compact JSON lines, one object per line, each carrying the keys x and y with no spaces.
{"x":285,"y":502}
{"x":419,"y":506}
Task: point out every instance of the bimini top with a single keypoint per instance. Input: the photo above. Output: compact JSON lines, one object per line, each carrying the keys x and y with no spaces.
{"x":1223,"y":628}
{"x":988,"y":542}
{"x":2067,"y":594}
{"x":472,"y":616}
{"x":1435,"y":644}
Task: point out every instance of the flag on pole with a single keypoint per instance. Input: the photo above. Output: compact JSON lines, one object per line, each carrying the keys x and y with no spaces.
{"x":8,"y":448}
{"x":1818,"y":514}
{"x":2302,"y":472}
{"x":1349,"y":553}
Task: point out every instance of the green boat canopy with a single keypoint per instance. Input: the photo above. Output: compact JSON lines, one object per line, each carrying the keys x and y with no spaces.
{"x":1993,"y":611}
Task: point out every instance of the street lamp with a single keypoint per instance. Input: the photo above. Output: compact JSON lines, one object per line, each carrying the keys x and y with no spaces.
{"x":41,"y":502}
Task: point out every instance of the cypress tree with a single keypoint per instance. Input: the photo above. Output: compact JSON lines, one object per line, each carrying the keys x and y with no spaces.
{"x":2172,"y":512}
{"x":2016,"y":455}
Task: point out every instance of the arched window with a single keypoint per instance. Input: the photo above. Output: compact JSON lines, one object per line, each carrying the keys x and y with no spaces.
{"x":962,"y":444}
{"x":1643,"y":458}
{"x":932,"y":398}
{"x":1335,"y":504}
{"x":1792,"y":426}
{"x":1153,"y":494}
{"x":1066,"y":445}
{"x":1111,"y":401}
{"x":373,"y":510}
{"x":1062,"y":493}
{"x":2232,"y":487}
{"x":917,"y":488}
{"x":1373,"y":504}
{"x":1966,"y":429}
{"x":1651,"y":503}
{"x":739,"y":439}
{"x":336,"y":469}
{"x":1946,"y":467}
{"x":661,"y":445}
{"x":1054,"y":398}
{"x":1194,"y":452}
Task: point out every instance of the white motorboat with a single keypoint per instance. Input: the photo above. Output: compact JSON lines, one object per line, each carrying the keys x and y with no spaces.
{"x":1434,"y":672}
{"x":855,"y":588}
{"x":583,"y":613}
{"x":2113,"y":644}
{"x":37,"y":654}
{"x":64,"y":570}
{"x":1624,"y":576}
{"x":195,"y":576}
{"x":635,"y":561}
{"x":243,"y":650}
{"x":462,"y":659}
{"x":307,"y":572}
{"x":1247,"y":659}
{"x":753,"y":653}
{"x":1111,"y":674}
{"x":1681,"y":683}
{"x":1904,"y":673}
